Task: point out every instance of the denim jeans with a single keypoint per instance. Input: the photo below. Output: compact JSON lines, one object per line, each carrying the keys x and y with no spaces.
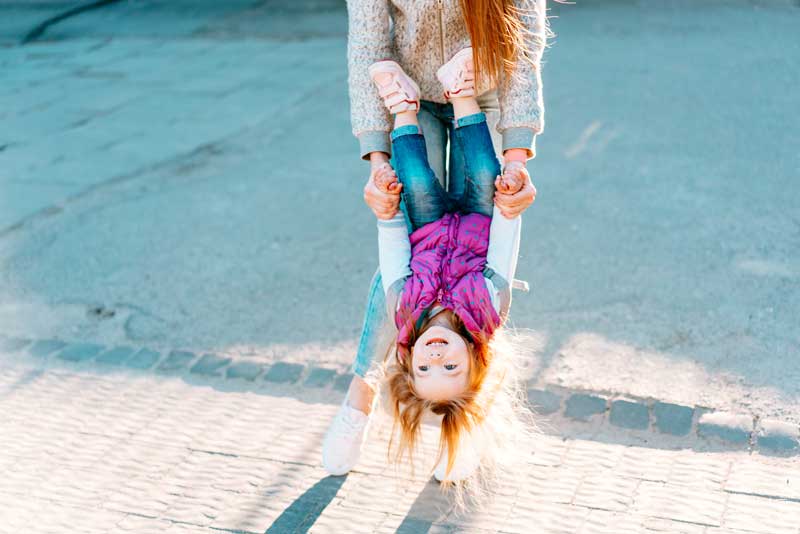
{"x":437,"y":125}
{"x":424,"y":198}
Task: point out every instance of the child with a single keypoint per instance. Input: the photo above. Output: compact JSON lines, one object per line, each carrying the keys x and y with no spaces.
{"x":447,"y":284}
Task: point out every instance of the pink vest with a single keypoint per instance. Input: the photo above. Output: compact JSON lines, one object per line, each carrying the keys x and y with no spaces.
{"x":448,"y":257}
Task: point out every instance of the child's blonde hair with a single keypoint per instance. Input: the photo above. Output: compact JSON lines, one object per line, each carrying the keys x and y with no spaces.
{"x":493,"y":405}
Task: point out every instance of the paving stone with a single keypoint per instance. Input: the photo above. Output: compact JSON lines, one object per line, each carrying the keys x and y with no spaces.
{"x":210,"y":365}
{"x":284,"y":372}
{"x":707,"y":471}
{"x":100,"y":472}
{"x":629,"y":414}
{"x":581,"y":406}
{"x":753,"y":513}
{"x":411,"y":525}
{"x":543,"y":401}
{"x":115,"y":356}
{"x":176,"y":360}
{"x":755,"y":476}
{"x":734,"y":428}
{"x":691,"y":504}
{"x":244,"y":370}
{"x":144,"y":359}
{"x":653,"y":525}
{"x":319,"y":377}
{"x":342,"y":382}
{"x":606,"y":490}
{"x":45,"y":347}
{"x":13,"y":344}
{"x":606,"y":522}
{"x":80,"y":351}
{"x":778,"y":435}
{"x":672,"y":418}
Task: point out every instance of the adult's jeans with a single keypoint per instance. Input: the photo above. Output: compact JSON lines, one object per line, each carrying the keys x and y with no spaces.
{"x":438,"y":127}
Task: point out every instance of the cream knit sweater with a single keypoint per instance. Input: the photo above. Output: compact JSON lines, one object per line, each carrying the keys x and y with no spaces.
{"x":422,"y":35}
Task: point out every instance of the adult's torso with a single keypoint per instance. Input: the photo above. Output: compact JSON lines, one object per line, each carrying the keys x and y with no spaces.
{"x":425,"y":35}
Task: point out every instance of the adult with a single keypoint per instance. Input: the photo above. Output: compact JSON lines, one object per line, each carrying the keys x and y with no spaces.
{"x":508,"y":38}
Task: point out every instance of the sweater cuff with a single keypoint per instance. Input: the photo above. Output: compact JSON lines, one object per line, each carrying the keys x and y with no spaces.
{"x":520,"y":137}
{"x":374,"y":141}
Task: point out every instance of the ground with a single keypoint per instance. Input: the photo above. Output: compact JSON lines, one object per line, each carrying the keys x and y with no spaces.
{"x":182,"y":176}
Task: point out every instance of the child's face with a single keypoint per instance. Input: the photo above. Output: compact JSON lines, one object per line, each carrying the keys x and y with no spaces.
{"x":440,"y":363}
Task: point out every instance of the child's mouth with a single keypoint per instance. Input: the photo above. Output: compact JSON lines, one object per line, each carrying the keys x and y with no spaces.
{"x":436,"y":341}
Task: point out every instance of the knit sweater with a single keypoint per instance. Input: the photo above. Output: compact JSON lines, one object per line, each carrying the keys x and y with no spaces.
{"x":422,"y":35}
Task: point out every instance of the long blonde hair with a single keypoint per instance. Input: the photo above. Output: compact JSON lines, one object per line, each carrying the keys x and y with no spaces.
{"x":494,"y":406}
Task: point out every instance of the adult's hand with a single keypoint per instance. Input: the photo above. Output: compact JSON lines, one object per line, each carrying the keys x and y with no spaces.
{"x":384,"y":204}
{"x":511,"y":205}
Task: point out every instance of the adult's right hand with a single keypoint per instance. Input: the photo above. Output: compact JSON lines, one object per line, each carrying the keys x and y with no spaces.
{"x":383,"y":204}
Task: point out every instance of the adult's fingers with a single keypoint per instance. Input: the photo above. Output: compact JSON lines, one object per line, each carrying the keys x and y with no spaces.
{"x":512,"y":205}
{"x":383,"y":205}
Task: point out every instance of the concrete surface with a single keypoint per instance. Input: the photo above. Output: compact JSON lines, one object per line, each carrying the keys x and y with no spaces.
{"x":156,"y":188}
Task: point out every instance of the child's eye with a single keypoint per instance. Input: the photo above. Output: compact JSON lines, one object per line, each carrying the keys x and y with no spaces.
{"x":450,"y":366}
{"x":423,"y":368}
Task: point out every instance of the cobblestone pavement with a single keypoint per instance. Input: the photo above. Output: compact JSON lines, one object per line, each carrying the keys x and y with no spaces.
{"x":156,"y":189}
{"x":101,"y":451}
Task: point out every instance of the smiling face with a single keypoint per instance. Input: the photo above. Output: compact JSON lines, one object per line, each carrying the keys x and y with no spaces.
{"x":440,"y":361}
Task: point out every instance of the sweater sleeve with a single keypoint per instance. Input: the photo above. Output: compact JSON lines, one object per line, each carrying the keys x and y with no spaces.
{"x":394,"y":250}
{"x":504,"y":237}
{"x":367,"y":42}
{"x":521,"y":103}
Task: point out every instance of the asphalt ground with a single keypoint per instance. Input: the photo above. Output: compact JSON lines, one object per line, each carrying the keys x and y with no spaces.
{"x":182,"y":176}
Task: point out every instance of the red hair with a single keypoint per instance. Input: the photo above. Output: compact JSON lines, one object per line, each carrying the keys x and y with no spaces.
{"x":499,"y":37}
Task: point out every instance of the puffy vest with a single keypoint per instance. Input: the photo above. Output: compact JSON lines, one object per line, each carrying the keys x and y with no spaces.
{"x":448,"y":258}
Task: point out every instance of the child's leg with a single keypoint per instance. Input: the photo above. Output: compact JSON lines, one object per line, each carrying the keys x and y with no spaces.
{"x":472,"y":144}
{"x":424,"y":197}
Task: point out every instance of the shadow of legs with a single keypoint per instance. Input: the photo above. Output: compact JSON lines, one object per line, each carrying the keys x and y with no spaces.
{"x":305,"y":510}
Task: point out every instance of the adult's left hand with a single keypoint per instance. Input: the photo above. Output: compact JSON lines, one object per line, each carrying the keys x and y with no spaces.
{"x":511,"y":205}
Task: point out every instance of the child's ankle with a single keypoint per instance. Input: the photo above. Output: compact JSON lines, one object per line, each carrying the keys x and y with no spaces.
{"x":406,"y":118}
{"x":464,"y":106}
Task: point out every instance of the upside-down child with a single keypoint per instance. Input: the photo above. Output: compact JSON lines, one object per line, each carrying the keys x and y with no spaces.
{"x":447,"y":283}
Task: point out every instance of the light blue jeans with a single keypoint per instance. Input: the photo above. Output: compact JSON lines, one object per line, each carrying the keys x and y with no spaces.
{"x":438,"y":126}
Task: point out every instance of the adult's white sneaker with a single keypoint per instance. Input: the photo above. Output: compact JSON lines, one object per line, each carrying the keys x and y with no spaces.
{"x":344,"y":440}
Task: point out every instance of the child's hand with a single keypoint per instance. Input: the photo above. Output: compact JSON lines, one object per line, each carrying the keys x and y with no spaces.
{"x":513,"y":179}
{"x":386,"y":180}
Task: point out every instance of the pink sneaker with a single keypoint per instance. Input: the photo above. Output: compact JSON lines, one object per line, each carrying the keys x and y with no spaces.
{"x":458,"y":75}
{"x":398,"y":90}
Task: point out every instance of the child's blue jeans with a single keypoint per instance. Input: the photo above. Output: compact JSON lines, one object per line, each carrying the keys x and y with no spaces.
{"x":424,"y":198}
{"x":473,"y":169}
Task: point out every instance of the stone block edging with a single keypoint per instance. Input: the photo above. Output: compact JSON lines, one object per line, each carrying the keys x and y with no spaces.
{"x":744,"y":431}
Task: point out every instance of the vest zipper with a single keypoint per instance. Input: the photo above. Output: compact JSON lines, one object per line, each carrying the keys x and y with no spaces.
{"x":441,"y":27}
